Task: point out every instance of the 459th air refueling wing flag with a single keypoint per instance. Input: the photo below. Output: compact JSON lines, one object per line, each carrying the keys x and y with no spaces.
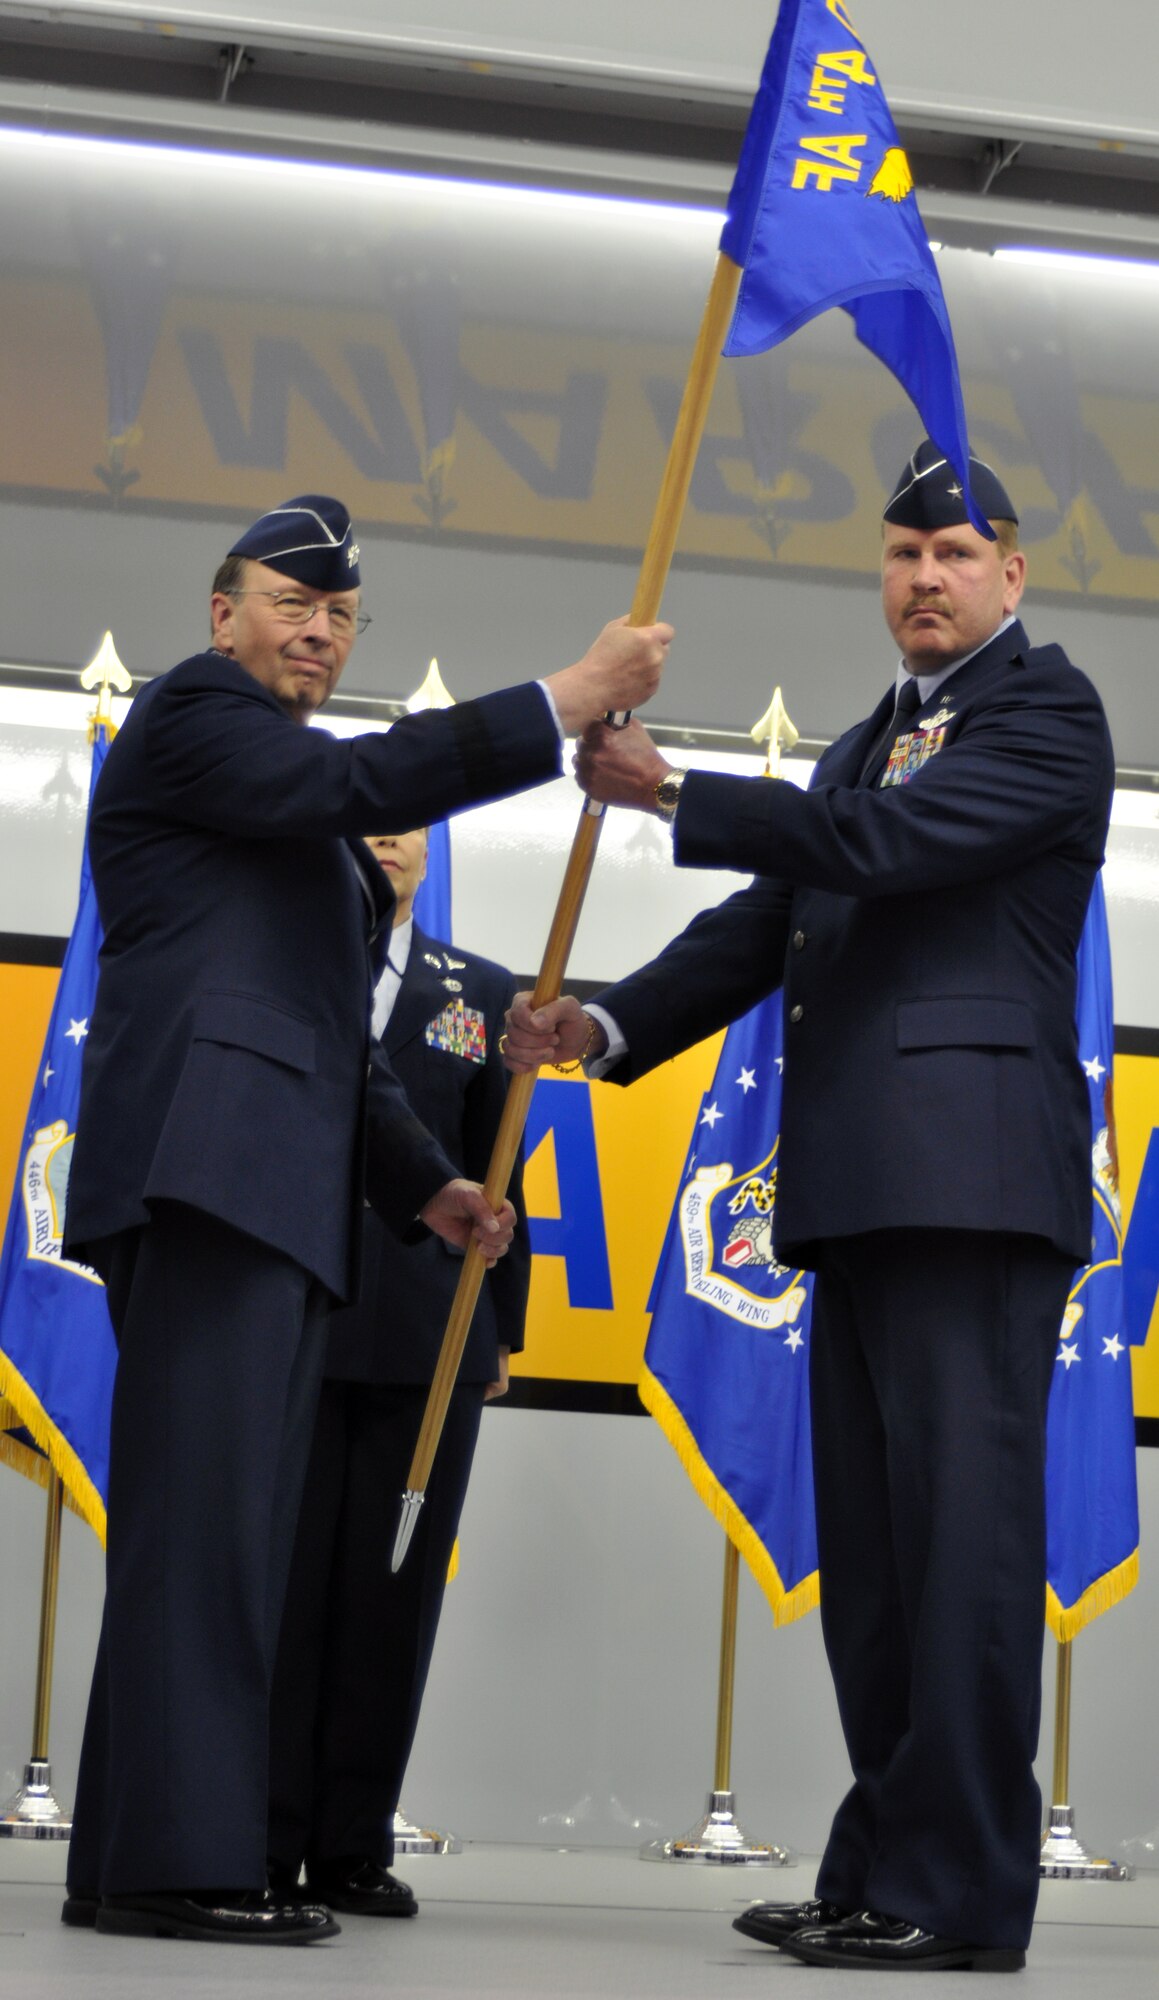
{"x":726,"y":1366}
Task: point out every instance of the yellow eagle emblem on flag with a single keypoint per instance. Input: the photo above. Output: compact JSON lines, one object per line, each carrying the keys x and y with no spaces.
{"x":893,"y":179}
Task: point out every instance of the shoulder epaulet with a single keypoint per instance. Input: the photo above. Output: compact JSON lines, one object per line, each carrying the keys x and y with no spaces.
{"x":1046,"y":656}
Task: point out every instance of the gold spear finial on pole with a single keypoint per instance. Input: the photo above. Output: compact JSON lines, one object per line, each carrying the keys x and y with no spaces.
{"x":106,"y":671}
{"x":774,"y":733}
{"x":433,"y":693}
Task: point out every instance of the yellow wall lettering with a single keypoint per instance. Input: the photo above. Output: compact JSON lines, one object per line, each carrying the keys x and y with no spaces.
{"x":836,"y":161}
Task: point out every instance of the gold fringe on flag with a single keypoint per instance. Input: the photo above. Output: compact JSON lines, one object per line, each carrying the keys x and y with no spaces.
{"x":1067,"y":1621}
{"x":26,"y":1409}
{"x":786,"y":1605}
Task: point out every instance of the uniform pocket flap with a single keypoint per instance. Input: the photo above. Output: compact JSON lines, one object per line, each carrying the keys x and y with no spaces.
{"x":242,"y":1021}
{"x":965,"y":1021}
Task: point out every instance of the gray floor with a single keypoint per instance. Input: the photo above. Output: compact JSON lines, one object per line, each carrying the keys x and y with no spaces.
{"x":529,"y":1921}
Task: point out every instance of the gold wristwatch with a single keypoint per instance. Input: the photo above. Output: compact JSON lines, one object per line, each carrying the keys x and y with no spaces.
{"x":667,"y":793}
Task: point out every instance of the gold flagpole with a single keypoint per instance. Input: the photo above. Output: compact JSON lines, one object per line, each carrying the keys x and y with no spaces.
{"x":719,"y":1836}
{"x":645,"y":610}
{"x":1063,"y":1854}
{"x":32,"y":1813}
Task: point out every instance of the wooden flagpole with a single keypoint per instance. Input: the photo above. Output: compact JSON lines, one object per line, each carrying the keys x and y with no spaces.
{"x":645,"y":610}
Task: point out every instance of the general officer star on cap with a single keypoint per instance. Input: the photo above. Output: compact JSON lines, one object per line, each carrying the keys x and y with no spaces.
{"x":929,"y":492}
{"x":309,"y":538}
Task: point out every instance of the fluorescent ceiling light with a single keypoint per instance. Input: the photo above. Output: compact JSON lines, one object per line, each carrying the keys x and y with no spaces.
{"x":367,"y":177}
{"x":1078,"y":262}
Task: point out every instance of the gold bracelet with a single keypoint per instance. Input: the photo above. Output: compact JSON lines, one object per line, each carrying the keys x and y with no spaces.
{"x":570,"y":1068}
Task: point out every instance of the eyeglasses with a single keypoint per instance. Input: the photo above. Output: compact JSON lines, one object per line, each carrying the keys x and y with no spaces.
{"x":299,"y":610}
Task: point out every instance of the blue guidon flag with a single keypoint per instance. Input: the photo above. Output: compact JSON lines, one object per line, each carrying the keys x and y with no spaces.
{"x":823,"y":213}
{"x":57,"y":1351}
{"x":1092,"y":1543}
{"x":726,"y":1366}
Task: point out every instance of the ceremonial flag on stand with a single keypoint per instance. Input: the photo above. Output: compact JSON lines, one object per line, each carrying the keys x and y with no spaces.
{"x":726,"y":1366}
{"x":823,"y":213}
{"x":57,"y":1352}
{"x":1091,"y":1495}
{"x":432,"y":903}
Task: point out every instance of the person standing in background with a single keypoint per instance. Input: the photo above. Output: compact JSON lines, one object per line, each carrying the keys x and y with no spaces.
{"x":356,"y":1639}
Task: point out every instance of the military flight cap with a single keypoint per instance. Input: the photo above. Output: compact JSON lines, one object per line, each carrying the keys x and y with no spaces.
{"x":929,"y":492}
{"x":309,"y":538}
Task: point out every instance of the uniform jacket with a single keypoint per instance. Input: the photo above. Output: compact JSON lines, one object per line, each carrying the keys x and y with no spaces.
{"x":925,"y":935}
{"x":226,"y":1060}
{"x":455,"y":1079}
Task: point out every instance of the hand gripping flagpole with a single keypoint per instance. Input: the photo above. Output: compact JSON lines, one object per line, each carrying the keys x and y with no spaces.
{"x":645,"y":610}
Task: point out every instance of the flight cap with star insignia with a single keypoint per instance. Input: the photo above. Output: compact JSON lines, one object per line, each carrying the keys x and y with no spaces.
{"x":929,"y":492}
{"x":309,"y":538}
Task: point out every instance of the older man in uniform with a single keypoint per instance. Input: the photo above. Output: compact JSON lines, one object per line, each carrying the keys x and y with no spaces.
{"x":921,"y":906}
{"x":357,"y":1640}
{"x":218,"y":1174}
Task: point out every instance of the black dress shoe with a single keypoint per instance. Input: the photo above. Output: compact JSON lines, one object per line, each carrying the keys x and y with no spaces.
{"x":772,"y":1923}
{"x":80,"y":1909}
{"x":870,"y":1940}
{"x":217,"y":1917}
{"x":363,"y":1889}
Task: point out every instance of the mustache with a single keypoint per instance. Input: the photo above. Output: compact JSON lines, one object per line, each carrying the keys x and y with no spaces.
{"x":931,"y":603}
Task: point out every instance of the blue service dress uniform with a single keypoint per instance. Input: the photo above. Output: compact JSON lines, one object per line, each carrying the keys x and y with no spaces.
{"x":922,"y":917}
{"x":217,"y":1185}
{"x":356,"y":1640}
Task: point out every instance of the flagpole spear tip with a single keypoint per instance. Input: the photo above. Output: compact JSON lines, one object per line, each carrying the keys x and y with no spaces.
{"x":408,"y":1521}
{"x":433,"y":692}
{"x":777,"y":731}
{"x":105,"y":671}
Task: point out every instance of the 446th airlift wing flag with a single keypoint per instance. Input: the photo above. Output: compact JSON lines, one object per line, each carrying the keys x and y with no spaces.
{"x":57,"y":1352}
{"x":823,"y":213}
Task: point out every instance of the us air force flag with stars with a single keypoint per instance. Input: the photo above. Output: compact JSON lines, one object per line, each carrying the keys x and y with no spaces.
{"x":1091,"y":1496}
{"x":726,"y":1366}
{"x":823,"y":213}
{"x":57,"y":1352}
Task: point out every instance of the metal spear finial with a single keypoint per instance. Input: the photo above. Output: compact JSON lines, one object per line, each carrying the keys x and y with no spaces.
{"x":774,"y":733}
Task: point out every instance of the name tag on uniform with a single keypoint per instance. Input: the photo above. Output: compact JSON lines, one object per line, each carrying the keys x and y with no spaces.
{"x":910,"y":752}
{"x":460,"y":1030}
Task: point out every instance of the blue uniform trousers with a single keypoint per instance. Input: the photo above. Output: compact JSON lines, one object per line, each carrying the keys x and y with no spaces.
{"x":932,"y":1355}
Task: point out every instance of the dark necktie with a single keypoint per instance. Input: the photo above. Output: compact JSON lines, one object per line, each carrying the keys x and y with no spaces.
{"x":909,"y":700}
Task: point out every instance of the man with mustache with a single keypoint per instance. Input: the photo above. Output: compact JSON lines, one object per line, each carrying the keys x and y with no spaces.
{"x":921,"y":906}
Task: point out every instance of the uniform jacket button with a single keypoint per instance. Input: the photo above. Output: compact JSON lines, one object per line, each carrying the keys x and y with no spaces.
{"x":796,"y":1013}
{"x":798,"y":940}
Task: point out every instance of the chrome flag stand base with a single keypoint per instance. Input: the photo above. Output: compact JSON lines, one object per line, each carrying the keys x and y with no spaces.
{"x":410,"y":1839}
{"x":32,"y":1813}
{"x":719,"y":1838}
{"x":1065,"y":1859}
